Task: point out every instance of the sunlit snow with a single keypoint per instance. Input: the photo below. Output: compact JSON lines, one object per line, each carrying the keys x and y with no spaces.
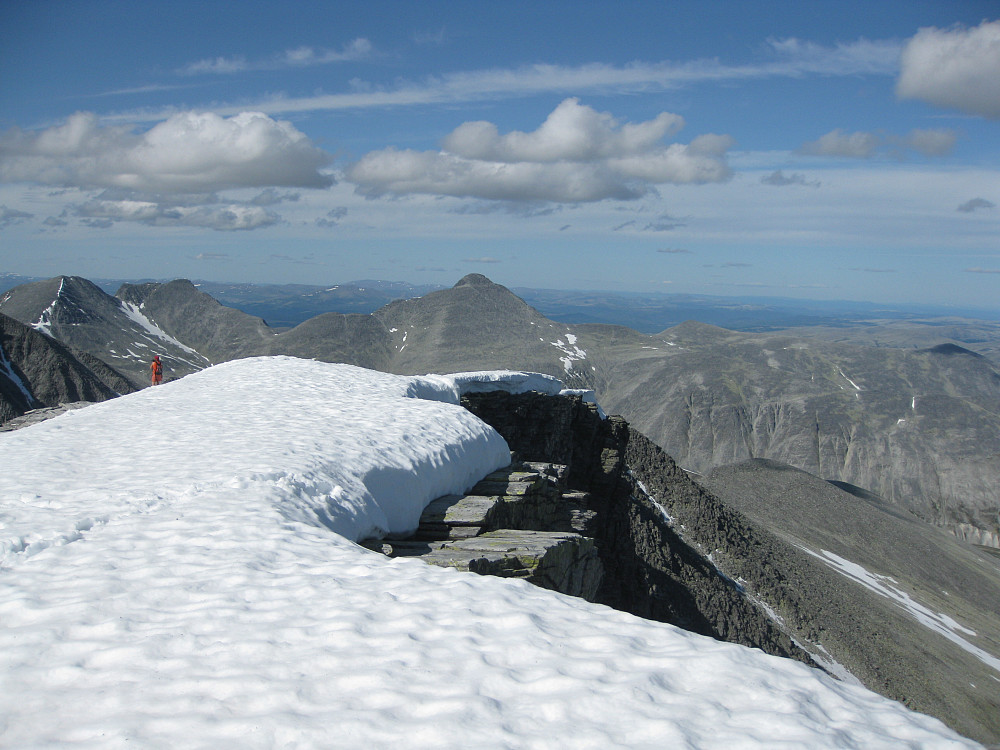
{"x":178,"y":571}
{"x":572,"y":353}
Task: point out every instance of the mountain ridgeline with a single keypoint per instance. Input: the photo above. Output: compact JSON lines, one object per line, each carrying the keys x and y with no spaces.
{"x":918,"y":427}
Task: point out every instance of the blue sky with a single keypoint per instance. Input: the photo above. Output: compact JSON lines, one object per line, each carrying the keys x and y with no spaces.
{"x":825,"y":150}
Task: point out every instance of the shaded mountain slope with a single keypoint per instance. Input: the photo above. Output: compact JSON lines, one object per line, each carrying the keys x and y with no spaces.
{"x":919,"y":428}
{"x":37,"y":371}
{"x":218,"y":333}
{"x":910,"y":611}
{"x":223,"y":333}
{"x":334,"y":337}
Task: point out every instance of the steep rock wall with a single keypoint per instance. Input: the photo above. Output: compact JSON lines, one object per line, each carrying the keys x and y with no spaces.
{"x":648,"y":569}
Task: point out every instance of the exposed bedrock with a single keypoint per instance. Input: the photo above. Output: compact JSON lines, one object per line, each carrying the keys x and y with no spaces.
{"x":648,"y":569}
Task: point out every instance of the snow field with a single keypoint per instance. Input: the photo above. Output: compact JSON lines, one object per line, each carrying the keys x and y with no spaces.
{"x":178,"y":572}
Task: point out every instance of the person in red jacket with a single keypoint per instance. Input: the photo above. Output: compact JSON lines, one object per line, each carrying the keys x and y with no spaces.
{"x":157,"y":368}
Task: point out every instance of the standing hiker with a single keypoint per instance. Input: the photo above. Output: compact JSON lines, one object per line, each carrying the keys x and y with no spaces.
{"x":157,"y":368}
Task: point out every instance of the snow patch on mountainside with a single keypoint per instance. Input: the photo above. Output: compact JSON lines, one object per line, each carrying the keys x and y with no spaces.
{"x":7,"y":369}
{"x":885,"y":586}
{"x":136,"y":315}
{"x":44,"y":322}
{"x":571,"y":352}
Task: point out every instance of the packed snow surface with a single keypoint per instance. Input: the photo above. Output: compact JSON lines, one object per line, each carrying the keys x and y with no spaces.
{"x":177,"y":571}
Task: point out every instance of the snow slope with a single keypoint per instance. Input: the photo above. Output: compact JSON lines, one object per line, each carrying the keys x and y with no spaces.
{"x":177,"y":571}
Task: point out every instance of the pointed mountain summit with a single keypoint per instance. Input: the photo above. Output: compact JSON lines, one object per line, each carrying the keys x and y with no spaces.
{"x":480,"y":325}
{"x":56,"y":305}
{"x":474,"y":279}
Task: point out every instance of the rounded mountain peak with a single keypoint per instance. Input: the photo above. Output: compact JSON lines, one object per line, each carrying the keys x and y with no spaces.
{"x":474,"y":279}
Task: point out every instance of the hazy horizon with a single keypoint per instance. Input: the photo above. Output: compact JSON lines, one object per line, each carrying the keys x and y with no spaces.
{"x":832,"y":306}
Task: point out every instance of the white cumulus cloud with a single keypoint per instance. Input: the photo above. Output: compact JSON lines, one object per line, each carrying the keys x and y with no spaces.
{"x":189,"y":152}
{"x":572,"y":132}
{"x":577,"y":155}
{"x":957,"y":68}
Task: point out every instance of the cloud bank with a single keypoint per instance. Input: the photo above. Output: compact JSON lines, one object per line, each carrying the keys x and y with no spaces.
{"x":577,"y":155}
{"x":102,"y":212}
{"x":169,"y":175}
{"x":955,"y":68}
{"x":189,"y":152}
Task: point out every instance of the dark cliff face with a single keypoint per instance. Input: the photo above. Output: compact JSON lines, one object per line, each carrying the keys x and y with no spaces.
{"x":649,"y":570}
{"x":37,"y":371}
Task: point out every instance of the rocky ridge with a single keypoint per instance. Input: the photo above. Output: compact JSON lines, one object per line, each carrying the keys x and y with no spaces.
{"x":518,"y":522}
{"x":569,"y":515}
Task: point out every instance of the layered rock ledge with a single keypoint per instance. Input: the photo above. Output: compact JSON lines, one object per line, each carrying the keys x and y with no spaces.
{"x":516,"y":523}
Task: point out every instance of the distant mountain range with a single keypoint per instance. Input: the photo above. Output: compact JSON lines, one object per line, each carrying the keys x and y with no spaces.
{"x":287,"y":305}
{"x":918,"y":426}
